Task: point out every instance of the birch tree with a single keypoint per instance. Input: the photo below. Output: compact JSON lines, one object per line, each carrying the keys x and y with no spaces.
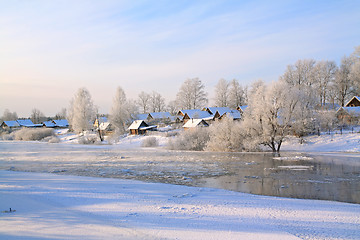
{"x":82,"y":111}
{"x":191,"y":94}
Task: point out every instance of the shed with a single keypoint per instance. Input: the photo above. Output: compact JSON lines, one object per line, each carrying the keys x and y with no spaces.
{"x":193,"y":123}
{"x":140,"y":127}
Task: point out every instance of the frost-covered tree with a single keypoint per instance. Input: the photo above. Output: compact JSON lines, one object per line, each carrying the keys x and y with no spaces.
{"x":172,"y":108}
{"x":343,"y":83}
{"x":355,"y":71}
{"x":237,"y":94}
{"x":9,"y":116}
{"x":300,"y":74}
{"x":270,"y":115}
{"x":191,"y":94}
{"x":157,"y":102}
{"x":324,"y":75}
{"x":36,"y":115}
{"x":195,"y":139}
{"x":144,"y":102}
{"x":82,"y":112}
{"x":222,"y":93}
{"x":122,"y":111}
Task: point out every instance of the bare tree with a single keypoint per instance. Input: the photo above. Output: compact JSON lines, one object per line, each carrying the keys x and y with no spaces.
{"x":324,"y":74}
{"x":192,"y":94}
{"x":355,"y":71}
{"x":9,"y":116}
{"x":172,"y":108}
{"x":342,"y":82}
{"x":144,"y":101}
{"x":82,"y":111}
{"x":36,"y":115}
{"x":300,"y":74}
{"x":118,"y":112}
{"x":237,"y":94}
{"x":222,"y":93}
{"x":61,"y":114}
{"x":157,"y":102}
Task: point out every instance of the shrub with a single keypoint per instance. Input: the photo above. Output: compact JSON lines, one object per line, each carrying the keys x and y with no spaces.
{"x":194,"y":139}
{"x":150,"y":142}
{"x":89,"y":139}
{"x":32,"y":134}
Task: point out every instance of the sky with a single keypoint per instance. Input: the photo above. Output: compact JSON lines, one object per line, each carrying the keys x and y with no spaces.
{"x":50,"y":49}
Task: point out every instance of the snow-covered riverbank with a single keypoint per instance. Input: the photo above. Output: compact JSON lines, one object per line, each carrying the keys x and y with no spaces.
{"x":50,"y":206}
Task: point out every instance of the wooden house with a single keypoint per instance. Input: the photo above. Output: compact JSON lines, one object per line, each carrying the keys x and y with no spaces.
{"x":195,"y":114}
{"x":10,"y":124}
{"x":61,"y":123}
{"x":354,"y":102}
{"x":348,"y":115}
{"x":140,"y":127}
{"x":194,"y":123}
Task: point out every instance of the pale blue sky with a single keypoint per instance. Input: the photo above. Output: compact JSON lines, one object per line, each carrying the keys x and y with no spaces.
{"x":49,"y":49}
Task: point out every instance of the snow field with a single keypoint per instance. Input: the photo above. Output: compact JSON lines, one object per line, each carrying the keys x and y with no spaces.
{"x":50,"y":206}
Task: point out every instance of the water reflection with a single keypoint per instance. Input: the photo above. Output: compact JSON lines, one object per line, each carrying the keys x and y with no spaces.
{"x":331,"y":177}
{"x":297,"y":175}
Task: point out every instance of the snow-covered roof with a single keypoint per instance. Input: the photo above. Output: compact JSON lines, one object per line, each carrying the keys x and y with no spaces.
{"x":242,"y":108}
{"x":12,"y":123}
{"x":220,"y":110}
{"x":104,"y":126}
{"x":198,"y":114}
{"x":351,"y":110}
{"x":25,"y":123}
{"x":140,"y":125}
{"x":160,"y":115}
{"x":49,"y":124}
{"x":142,"y":116}
{"x":61,"y":123}
{"x":194,"y":123}
{"x":355,"y":97}
{"x":234,"y":114}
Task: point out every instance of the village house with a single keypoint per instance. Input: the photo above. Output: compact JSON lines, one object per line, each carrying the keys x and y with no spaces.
{"x":354,"y":102}
{"x":140,"y":127}
{"x":350,"y":114}
{"x":194,"y":123}
{"x":10,"y":125}
{"x":195,"y":114}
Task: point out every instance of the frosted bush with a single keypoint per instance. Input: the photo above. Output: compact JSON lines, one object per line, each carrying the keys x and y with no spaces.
{"x":225,"y":136}
{"x":193,"y":139}
{"x":53,"y":139}
{"x":88,"y":139}
{"x":32,"y":134}
{"x":150,"y":142}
